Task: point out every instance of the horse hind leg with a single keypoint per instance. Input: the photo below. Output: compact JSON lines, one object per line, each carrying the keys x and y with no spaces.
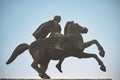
{"x":43,"y":68}
{"x":86,"y":55}
{"x":34,"y":65}
{"x":43,"y":65}
{"x":37,"y":58}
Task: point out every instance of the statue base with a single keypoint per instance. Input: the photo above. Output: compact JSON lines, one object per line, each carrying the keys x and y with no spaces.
{"x":52,"y":79}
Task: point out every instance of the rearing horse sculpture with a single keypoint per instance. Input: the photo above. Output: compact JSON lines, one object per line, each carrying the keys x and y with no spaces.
{"x":42,"y":51}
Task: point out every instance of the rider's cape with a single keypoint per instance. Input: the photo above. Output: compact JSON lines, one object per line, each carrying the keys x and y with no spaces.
{"x":43,"y":30}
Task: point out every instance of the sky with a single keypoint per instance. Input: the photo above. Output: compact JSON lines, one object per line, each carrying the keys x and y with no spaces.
{"x":20,"y":18}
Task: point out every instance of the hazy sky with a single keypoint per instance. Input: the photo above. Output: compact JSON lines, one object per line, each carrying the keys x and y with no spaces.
{"x":20,"y":18}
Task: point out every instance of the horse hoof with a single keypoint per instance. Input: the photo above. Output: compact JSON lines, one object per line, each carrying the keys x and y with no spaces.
{"x":103,"y":68}
{"x":45,"y":76}
{"x":102,"y":53}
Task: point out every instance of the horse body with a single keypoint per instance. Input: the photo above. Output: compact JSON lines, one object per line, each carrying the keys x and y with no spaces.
{"x":42,"y":51}
{"x":42,"y":47}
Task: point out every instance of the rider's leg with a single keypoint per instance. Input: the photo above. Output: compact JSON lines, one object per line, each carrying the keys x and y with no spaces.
{"x":89,"y":43}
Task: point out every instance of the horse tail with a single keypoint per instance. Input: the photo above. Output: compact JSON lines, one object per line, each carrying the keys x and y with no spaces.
{"x":18,"y":50}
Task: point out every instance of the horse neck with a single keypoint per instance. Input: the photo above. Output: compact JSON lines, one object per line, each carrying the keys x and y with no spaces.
{"x":75,"y":34}
{"x":80,"y":37}
{"x":73,"y":31}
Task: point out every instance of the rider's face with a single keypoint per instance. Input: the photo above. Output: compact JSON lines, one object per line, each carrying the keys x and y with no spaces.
{"x":58,"y":20}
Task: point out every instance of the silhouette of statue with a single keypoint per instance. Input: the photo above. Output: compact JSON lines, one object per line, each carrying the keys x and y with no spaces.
{"x":42,"y":50}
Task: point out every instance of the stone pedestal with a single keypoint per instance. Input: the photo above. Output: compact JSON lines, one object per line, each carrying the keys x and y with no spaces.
{"x":53,"y":79}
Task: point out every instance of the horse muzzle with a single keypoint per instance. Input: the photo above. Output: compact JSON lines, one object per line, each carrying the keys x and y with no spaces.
{"x":84,"y":30}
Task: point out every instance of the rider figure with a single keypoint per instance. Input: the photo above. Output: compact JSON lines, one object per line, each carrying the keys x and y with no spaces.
{"x":51,"y":26}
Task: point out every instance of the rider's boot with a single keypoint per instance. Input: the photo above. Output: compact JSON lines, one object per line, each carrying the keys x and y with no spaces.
{"x":59,"y":44}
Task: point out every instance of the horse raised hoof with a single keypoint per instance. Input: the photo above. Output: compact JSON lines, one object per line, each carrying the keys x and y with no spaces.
{"x":59,"y":68}
{"x":45,"y":76}
{"x":102,"y":53}
{"x":103,"y":68}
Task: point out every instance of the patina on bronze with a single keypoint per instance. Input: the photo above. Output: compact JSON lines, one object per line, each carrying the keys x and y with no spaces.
{"x":43,"y":49}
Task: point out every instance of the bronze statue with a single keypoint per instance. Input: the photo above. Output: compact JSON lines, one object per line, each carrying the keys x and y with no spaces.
{"x":42,"y":50}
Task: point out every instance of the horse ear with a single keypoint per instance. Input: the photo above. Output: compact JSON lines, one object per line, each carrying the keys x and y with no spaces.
{"x":66,"y":28}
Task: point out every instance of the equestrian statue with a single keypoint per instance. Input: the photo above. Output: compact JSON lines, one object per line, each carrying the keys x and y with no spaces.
{"x":57,"y":46}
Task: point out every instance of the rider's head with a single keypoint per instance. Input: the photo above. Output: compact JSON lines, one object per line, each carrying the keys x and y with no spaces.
{"x":57,"y":18}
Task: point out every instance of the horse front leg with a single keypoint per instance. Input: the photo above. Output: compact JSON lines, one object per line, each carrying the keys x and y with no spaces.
{"x":59,"y":65}
{"x":100,"y":48}
{"x":88,"y":55}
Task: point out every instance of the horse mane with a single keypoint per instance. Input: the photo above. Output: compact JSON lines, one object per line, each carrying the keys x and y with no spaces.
{"x":67,"y":26}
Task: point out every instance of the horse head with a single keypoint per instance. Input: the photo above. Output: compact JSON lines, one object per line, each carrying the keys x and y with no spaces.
{"x":72,"y":28}
{"x":82,"y":29}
